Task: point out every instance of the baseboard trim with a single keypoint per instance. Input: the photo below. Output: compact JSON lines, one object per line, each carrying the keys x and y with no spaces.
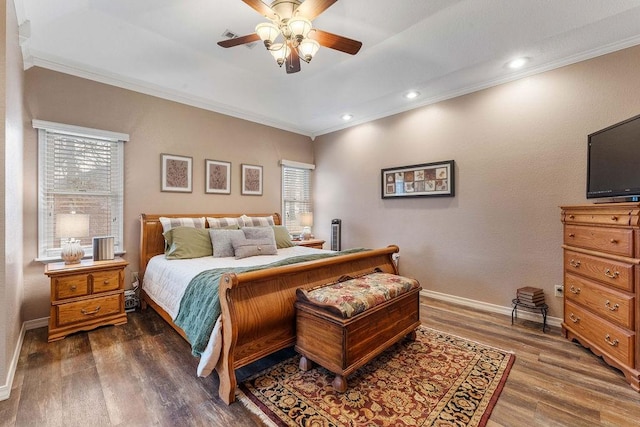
{"x":5,"y":389}
{"x":492,"y":308}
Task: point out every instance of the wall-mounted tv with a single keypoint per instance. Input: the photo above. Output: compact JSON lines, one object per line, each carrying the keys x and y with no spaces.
{"x":613,"y":163}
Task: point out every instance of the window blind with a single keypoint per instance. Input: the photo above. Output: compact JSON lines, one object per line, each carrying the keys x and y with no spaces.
{"x":79,"y":174}
{"x":296,"y":194}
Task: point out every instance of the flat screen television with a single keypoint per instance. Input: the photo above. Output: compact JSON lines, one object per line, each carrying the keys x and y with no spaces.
{"x":613,"y":161}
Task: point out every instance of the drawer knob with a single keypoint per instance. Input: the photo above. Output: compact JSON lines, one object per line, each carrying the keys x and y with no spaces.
{"x":614,"y":218}
{"x":611,"y":275}
{"x":574,"y":263}
{"x":571,"y":216}
{"x":574,"y":290}
{"x":89,"y":313}
{"x":73,"y":287}
{"x":614,"y":307}
{"x":574,"y":318}
{"x":614,"y":241}
{"x":613,"y":343}
{"x":106,"y":282}
{"x":572,"y":235}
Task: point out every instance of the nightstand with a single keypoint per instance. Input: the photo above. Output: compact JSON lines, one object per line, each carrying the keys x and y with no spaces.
{"x":311,"y":243}
{"x":85,"y":296}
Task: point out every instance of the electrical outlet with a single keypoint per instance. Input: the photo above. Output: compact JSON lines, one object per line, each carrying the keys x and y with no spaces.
{"x":559,"y":290}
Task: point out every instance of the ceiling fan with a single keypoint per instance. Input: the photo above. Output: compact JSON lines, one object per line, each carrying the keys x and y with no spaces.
{"x":289,"y":35}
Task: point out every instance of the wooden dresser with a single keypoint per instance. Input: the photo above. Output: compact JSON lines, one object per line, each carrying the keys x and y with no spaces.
{"x":602,"y":282}
{"x":85,"y":296}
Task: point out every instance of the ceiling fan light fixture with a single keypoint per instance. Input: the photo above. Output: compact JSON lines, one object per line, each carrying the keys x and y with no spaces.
{"x":267,"y":32}
{"x":307,"y":49}
{"x":299,"y":28}
{"x":280,"y":51}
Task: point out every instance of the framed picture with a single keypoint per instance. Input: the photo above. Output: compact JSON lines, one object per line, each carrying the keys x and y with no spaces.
{"x":176,"y":173}
{"x":426,"y":179}
{"x":217,"y":177}
{"x":251,"y":180}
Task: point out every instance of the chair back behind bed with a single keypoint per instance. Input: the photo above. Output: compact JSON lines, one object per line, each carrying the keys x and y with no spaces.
{"x":152,"y":240}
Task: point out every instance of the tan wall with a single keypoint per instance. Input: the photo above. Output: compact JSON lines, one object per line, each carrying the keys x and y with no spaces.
{"x":520,"y":152}
{"x":155,"y":126}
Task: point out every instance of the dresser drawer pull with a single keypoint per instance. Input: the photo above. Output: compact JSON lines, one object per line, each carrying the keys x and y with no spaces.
{"x":574,"y":290}
{"x":614,"y":241}
{"x":574,"y":318}
{"x":615,"y":307}
{"x":571,"y":217}
{"x":106,"y":282}
{"x":73,"y":287}
{"x":613,"y":343}
{"x":614,"y":218}
{"x":89,"y":313}
{"x":572,"y":235}
{"x":574,"y":263}
{"x":611,"y":275}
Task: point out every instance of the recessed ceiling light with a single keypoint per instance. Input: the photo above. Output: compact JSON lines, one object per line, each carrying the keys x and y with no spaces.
{"x":412,"y":94}
{"x":347,"y":117}
{"x":517,"y":63}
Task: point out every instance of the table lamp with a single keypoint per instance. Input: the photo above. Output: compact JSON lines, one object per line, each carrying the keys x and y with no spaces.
{"x":69,"y":227}
{"x":306,"y":221}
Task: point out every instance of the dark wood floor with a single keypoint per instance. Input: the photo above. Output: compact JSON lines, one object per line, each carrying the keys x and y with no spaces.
{"x":143,"y":374}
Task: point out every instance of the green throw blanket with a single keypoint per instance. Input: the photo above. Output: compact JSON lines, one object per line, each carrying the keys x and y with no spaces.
{"x":200,"y":305}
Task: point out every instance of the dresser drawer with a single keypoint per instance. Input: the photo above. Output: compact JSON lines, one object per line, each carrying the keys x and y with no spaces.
{"x":615,"y":273}
{"x":94,"y":308}
{"x":104,"y":281}
{"x":608,"y":303}
{"x":617,"y":217}
{"x":617,"y":342}
{"x":611,"y":240}
{"x":70,"y":286}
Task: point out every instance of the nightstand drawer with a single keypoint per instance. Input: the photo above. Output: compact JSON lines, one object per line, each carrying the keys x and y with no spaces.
{"x":70,"y":286}
{"x":605,"y":302}
{"x":104,"y":281}
{"x":93,"y":308}
{"x":614,"y":273}
{"x":610,"y":240}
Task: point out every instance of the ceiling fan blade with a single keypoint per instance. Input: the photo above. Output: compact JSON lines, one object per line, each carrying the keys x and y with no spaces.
{"x":334,"y":41}
{"x":312,"y":8}
{"x":249,"y":38}
{"x":293,"y":62}
{"x":261,"y":8}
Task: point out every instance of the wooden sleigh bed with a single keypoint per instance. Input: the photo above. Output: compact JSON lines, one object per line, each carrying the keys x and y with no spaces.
{"x":258,"y":314}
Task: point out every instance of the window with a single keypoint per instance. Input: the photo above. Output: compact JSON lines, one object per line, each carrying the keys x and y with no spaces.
{"x":80,"y":171}
{"x":296,"y":193}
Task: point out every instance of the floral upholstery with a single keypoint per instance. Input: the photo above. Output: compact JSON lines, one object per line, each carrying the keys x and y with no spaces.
{"x":350,"y":297}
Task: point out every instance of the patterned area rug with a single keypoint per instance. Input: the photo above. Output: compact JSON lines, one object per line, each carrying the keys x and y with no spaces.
{"x":437,"y":380}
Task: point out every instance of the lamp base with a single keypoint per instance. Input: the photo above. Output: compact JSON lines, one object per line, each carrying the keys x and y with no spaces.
{"x":71,"y":252}
{"x":306,"y":233}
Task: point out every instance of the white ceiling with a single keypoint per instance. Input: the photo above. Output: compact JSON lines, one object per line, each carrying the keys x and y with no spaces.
{"x":442,"y":48}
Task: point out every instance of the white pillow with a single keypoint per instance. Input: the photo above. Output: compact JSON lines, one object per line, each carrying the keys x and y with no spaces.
{"x":221,"y":239}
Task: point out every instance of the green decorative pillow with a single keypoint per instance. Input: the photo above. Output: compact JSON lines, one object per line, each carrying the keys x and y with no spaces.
{"x":283,"y":239}
{"x":188,"y":242}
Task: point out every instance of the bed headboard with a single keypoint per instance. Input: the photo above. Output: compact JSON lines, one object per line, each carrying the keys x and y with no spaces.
{"x":152,"y":240}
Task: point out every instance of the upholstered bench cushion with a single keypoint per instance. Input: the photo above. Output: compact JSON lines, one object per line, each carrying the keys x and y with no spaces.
{"x":350,"y":297}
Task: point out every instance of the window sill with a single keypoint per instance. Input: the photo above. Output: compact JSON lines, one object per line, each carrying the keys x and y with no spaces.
{"x":47,"y":260}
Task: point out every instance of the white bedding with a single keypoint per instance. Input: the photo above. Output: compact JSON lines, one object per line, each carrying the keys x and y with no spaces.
{"x":165,"y":282}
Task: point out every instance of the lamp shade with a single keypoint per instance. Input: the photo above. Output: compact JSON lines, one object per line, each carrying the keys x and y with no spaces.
{"x":299,"y":27}
{"x":306,"y":219}
{"x":72,"y":225}
{"x":280,"y":51}
{"x":307,"y":49}
{"x":267,"y":32}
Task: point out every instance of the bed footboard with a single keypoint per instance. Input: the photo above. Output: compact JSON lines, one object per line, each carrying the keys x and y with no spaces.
{"x":258,"y":314}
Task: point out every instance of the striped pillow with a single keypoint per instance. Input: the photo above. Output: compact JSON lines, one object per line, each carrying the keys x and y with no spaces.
{"x":256,"y":221}
{"x":169,"y":223}
{"x":229,"y":223}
